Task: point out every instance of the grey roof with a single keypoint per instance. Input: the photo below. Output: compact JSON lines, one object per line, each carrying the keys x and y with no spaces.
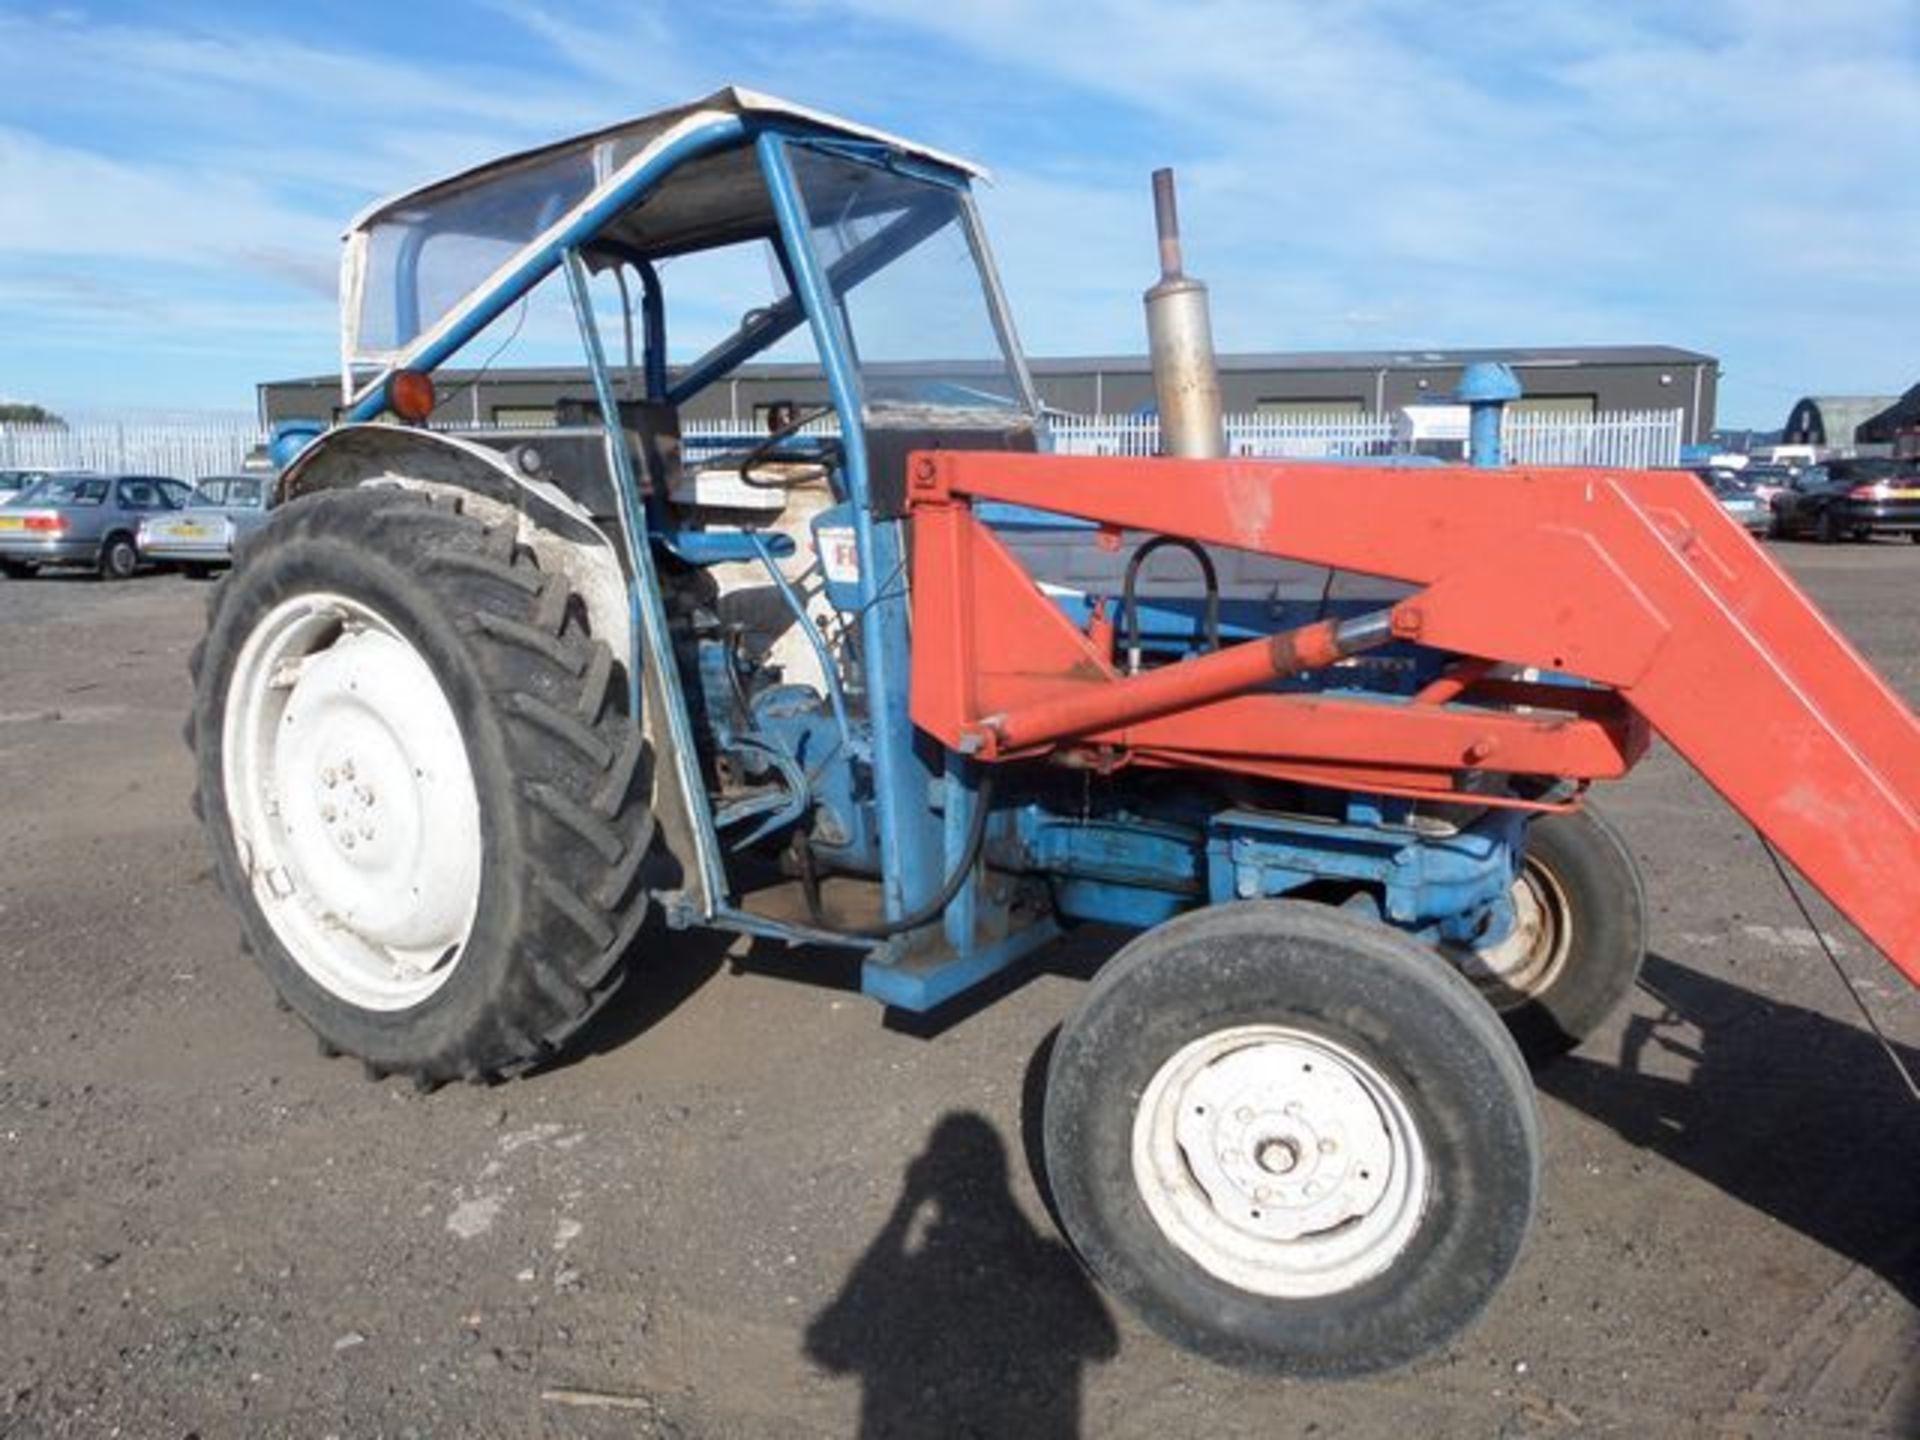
{"x":1564,"y":357}
{"x":1840,"y":415}
{"x":1411,"y":358}
{"x":1881,"y":428}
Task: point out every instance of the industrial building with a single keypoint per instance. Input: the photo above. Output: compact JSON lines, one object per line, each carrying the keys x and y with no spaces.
{"x":1575,"y":380}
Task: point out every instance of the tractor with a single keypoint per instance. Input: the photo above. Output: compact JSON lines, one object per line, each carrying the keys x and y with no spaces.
{"x":486,"y":714}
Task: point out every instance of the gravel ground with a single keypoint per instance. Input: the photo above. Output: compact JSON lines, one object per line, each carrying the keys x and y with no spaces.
{"x":751,"y":1206}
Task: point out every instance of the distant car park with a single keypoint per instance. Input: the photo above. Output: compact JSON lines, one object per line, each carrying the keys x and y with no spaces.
{"x":83,"y":519}
{"x":1738,"y":498}
{"x":1849,"y":500}
{"x":200,"y":538}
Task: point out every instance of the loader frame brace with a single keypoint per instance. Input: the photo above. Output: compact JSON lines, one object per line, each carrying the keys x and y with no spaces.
{"x":1636,"y":582}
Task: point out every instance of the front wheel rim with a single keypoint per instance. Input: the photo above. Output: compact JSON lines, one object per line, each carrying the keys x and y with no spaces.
{"x":1530,"y":960}
{"x":352,"y":800}
{"x":1280,"y":1161}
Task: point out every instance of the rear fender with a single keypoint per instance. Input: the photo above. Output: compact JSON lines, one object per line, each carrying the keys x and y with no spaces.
{"x":564,"y":537}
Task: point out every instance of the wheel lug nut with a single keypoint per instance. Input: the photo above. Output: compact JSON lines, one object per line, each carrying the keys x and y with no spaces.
{"x":1244,"y":1115}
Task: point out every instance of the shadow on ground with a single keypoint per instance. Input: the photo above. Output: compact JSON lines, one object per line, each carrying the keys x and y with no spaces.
{"x":961,"y":1319}
{"x":1780,"y":1107}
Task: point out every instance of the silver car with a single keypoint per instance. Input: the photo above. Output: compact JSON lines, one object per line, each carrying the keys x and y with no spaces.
{"x":82,"y":519}
{"x":201,"y":537}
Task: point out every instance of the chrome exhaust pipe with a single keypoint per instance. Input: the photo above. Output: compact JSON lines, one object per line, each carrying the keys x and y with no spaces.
{"x":1186,"y":376}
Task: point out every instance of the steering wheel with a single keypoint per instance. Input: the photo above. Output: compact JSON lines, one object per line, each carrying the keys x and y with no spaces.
{"x":800,"y":463}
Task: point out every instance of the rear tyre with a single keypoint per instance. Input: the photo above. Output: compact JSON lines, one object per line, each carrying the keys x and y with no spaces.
{"x":421,"y":783}
{"x":1292,"y":1140}
{"x":1579,"y":936}
{"x":195,"y":570}
{"x":118,"y":558}
{"x":1828,"y":528}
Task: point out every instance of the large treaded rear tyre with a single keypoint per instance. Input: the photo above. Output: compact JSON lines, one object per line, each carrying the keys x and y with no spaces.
{"x":1292,"y":1140}
{"x":553,"y":795}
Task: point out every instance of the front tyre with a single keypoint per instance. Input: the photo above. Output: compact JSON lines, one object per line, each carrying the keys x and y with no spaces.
{"x":421,"y":784}
{"x":1578,"y":938}
{"x":1291,"y":1139}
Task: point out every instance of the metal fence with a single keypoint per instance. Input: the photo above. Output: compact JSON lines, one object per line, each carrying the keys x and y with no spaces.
{"x":197,"y":447}
{"x":1302,"y":437}
{"x":189,"y":449}
{"x":1629,"y":439}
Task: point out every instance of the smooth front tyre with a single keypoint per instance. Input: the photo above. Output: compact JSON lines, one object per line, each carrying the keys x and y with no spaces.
{"x":1579,"y":935}
{"x":421,"y":783}
{"x":1291,"y":1139}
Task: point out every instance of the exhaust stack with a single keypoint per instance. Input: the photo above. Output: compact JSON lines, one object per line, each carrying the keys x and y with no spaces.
{"x":1186,"y":377}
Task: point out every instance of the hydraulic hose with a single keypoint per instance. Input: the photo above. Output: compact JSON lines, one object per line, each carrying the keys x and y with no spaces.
{"x":1130,"y":609}
{"x":936,"y":905}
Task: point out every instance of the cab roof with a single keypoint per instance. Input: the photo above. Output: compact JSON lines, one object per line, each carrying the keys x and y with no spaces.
{"x":629,"y":138}
{"x":501,"y":216}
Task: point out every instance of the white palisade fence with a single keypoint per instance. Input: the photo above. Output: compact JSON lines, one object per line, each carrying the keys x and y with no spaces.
{"x":193,"y":448}
{"x":185,"y":449}
{"x":1629,"y":439}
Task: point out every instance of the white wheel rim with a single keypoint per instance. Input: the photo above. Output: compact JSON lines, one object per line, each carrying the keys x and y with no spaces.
{"x":1534,"y":952}
{"x":1279,"y":1161}
{"x":352,"y":801}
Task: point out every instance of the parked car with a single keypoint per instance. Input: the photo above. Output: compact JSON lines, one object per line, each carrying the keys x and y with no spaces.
{"x":1849,"y":500}
{"x":201,"y":537}
{"x":1738,"y":498}
{"x":15,"y":483}
{"x":83,"y":519}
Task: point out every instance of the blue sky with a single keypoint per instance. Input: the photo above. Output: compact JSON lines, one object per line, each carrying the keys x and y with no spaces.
{"x":1731,"y":175}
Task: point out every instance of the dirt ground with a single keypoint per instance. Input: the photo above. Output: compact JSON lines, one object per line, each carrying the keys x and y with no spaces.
{"x":751,"y":1206}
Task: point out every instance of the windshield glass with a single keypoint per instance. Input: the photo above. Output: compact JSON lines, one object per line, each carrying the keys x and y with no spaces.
{"x":66,"y":490}
{"x":899,"y":253}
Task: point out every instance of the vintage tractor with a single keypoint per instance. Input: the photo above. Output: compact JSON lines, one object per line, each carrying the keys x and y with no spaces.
{"x":895,"y":677}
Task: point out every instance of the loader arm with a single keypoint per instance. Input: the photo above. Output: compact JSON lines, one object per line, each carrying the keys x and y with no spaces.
{"x":1634,"y":580}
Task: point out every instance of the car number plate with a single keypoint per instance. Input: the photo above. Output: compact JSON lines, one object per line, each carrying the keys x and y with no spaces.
{"x":187,"y":529}
{"x":1903,"y":494}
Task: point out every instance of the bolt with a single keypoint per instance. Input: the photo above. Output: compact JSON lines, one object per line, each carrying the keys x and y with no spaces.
{"x":1328,"y":1145}
{"x":364,"y":794}
{"x":1262,"y":1194}
{"x":1278,"y":1157}
{"x":1292,"y":1107}
{"x":924,"y":471}
{"x":1244,"y":1115}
